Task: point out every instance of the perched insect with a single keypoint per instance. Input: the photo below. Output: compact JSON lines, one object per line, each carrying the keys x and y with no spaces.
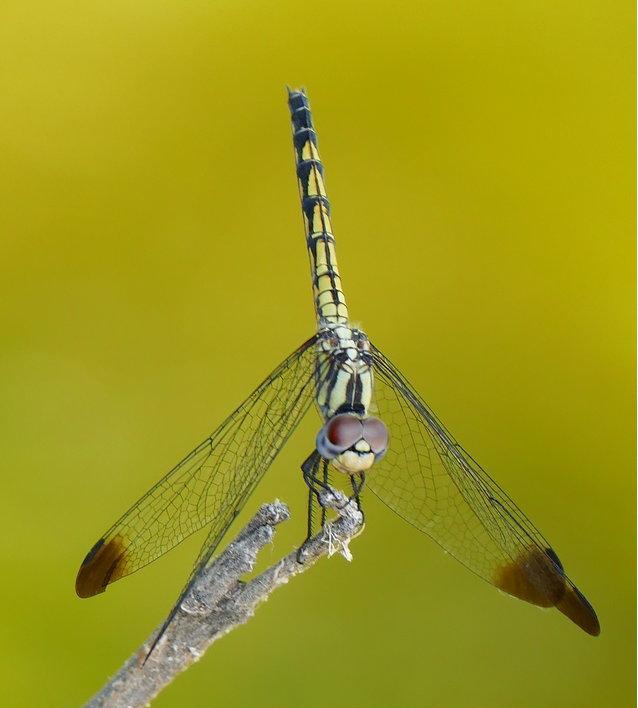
{"x":402,"y":452}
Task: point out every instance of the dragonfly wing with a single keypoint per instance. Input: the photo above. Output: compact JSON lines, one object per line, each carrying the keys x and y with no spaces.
{"x":211,"y":484}
{"x":429,"y":480}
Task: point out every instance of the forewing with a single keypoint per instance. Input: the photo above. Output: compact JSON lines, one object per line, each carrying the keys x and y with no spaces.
{"x":210,"y":484}
{"x":430,"y":481}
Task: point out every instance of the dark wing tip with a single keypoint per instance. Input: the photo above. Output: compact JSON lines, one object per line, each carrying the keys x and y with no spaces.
{"x":538,"y":577}
{"x":103,"y":564}
{"x":534,"y":577}
{"x":577,"y":607}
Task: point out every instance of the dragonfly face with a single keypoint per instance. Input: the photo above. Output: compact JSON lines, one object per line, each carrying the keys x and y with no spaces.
{"x":351,"y":443}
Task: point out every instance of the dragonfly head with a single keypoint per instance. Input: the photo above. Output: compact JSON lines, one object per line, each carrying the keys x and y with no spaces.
{"x":352,"y":443}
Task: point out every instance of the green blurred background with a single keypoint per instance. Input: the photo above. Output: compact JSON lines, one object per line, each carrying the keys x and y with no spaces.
{"x":480,"y":163}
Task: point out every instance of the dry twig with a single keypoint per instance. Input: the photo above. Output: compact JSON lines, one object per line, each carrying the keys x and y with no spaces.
{"x":220,"y":601}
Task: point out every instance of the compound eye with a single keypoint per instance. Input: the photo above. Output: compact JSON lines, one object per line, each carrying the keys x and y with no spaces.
{"x":376,"y":435}
{"x":343,"y":431}
{"x":338,"y":434}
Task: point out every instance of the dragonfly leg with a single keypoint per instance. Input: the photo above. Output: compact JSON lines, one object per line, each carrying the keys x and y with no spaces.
{"x":357,"y":486}
{"x":315,"y":486}
{"x":312,"y":500}
{"x":325,"y":484}
{"x":310,"y":468}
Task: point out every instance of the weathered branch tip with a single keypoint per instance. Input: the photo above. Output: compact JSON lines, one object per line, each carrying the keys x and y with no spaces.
{"x":220,"y":601}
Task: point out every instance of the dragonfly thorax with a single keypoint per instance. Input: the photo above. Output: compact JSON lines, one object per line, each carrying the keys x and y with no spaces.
{"x":343,"y":371}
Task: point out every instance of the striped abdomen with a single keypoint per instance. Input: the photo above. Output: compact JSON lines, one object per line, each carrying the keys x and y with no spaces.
{"x":330,"y":303}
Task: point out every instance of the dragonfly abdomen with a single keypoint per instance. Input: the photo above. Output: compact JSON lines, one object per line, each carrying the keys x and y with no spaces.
{"x":330,"y":302}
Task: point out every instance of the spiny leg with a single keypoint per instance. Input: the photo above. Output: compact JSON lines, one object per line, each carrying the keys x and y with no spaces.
{"x":357,"y":486}
{"x":327,"y":486}
{"x":309,"y":470}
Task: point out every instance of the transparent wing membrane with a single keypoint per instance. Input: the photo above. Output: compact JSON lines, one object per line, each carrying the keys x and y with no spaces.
{"x":211,"y":484}
{"x":431,"y":482}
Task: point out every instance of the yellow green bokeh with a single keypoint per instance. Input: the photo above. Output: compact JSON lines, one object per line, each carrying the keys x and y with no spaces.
{"x":480,"y":162}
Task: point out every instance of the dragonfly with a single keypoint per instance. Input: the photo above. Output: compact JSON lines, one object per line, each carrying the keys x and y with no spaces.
{"x":375,"y":432}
